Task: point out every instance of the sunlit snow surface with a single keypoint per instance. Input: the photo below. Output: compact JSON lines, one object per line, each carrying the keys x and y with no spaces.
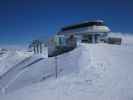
{"x":99,"y":72}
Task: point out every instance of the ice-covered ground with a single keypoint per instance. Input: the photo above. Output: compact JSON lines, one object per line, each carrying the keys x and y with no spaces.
{"x":92,"y":71}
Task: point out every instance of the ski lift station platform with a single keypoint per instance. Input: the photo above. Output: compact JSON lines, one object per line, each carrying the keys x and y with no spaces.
{"x":89,"y":31}
{"x":85,"y":32}
{"x":71,"y":36}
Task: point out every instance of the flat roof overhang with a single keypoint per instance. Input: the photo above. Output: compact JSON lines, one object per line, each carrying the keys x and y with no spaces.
{"x":91,"y":30}
{"x":84,"y":24}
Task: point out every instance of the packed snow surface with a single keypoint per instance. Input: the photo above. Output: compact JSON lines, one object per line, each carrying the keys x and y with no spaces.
{"x":91,"y":71}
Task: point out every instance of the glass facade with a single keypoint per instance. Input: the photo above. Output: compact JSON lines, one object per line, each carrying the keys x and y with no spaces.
{"x":60,"y":40}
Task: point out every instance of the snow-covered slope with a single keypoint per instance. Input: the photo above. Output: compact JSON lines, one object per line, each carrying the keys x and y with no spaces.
{"x":35,"y":68}
{"x":10,"y":59}
{"x":104,"y":73}
{"x":91,"y":71}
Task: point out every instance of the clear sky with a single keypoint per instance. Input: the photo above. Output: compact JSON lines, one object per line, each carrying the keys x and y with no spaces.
{"x":24,"y":20}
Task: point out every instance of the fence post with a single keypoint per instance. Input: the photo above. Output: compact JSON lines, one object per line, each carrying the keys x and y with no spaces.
{"x":56,"y":66}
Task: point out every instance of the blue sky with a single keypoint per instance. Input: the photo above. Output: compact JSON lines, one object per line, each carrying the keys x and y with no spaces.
{"x":24,"y":20}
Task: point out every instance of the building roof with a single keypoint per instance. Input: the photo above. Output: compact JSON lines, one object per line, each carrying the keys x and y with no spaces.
{"x":95,"y":26}
{"x":84,"y":24}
